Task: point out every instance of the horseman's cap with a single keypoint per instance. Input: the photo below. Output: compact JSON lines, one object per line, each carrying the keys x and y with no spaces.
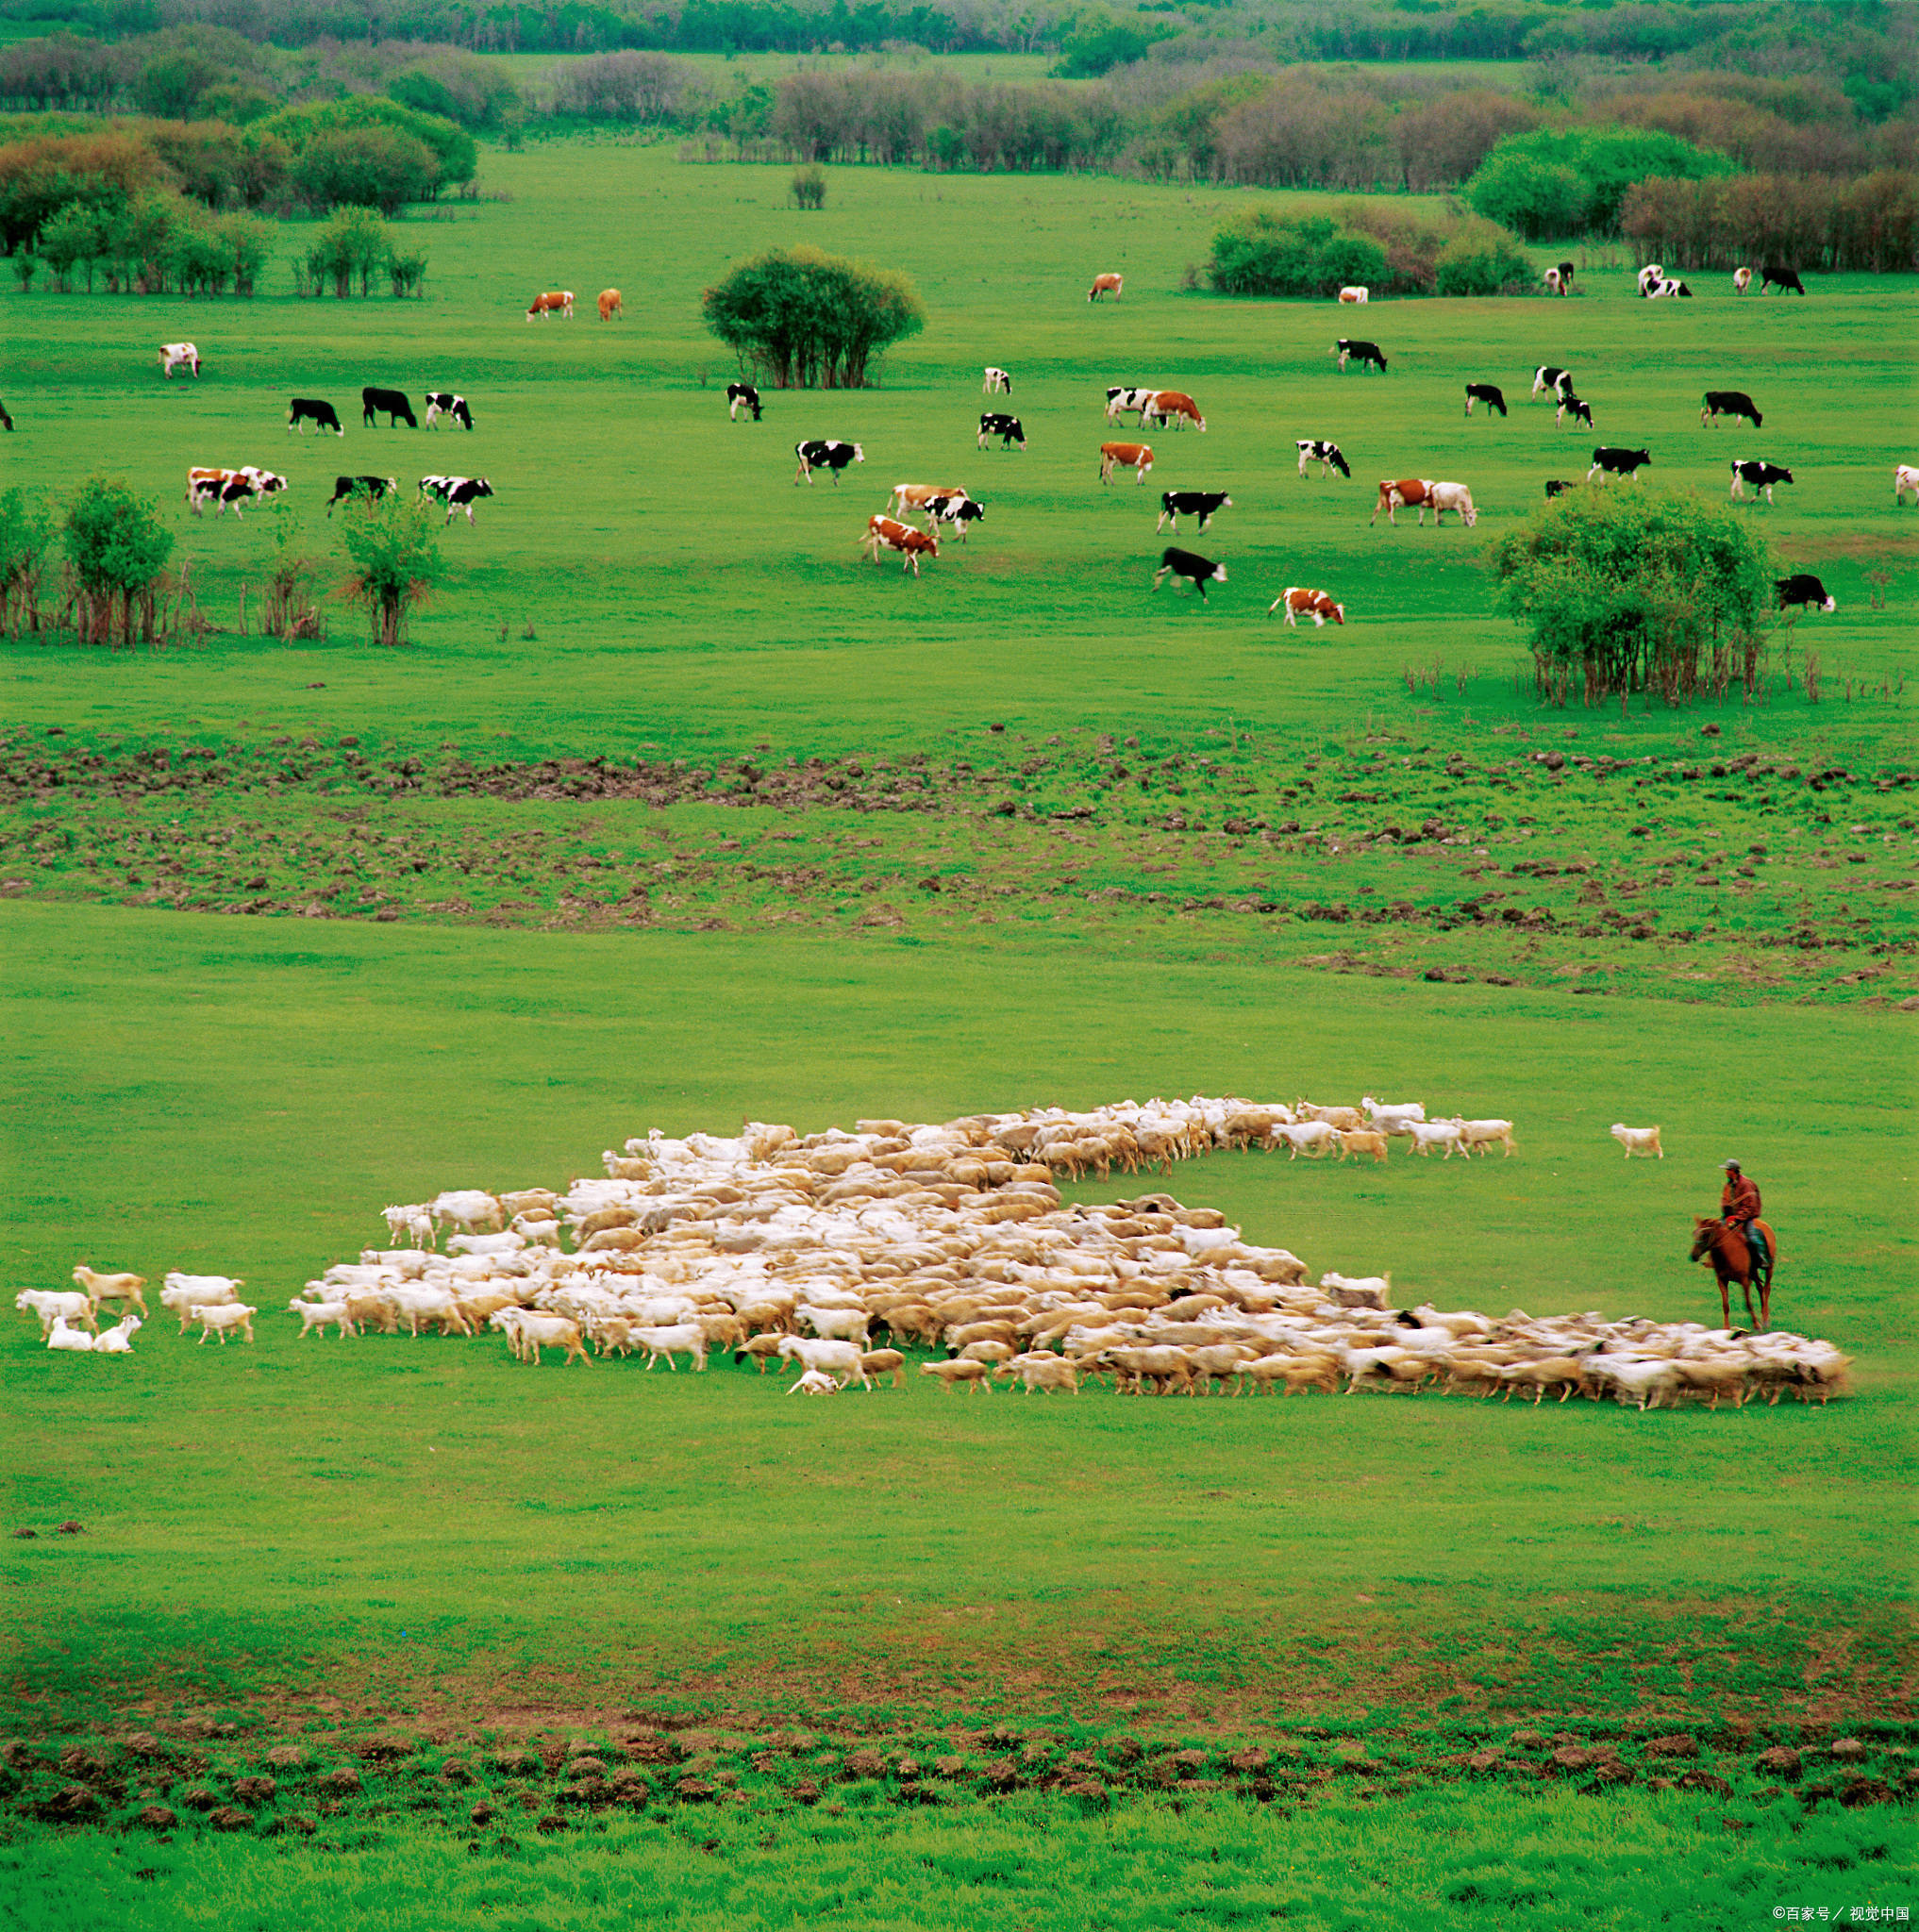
{"x":1729,"y":1163}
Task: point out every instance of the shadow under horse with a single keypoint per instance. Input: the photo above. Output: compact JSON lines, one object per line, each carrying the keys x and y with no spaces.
{"x":1732,"y":1260}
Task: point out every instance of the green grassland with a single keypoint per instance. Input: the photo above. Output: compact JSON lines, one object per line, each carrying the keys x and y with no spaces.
{"x":513,"y":958}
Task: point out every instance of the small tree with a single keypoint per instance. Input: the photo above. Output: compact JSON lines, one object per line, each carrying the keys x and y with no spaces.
{"x":116,"y":551}
{"x":812,"y":320}
{"x":354,"y":242}
{"x":290,"y":611}
{"x":27,"y":527}
{"x":396,"y":558}
{"x":407,"y":272}
{"x":1628,"y":589}
{"x":810,"y":187}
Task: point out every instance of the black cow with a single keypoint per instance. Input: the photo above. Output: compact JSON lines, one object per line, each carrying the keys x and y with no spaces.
{"x":1802,"y":589}
{"x":957,"y":511}
{"x":1617,"y":462}
{"x":1183,"y":563}
{"x":441,"y":402}
{"x":1566,"y":273}
{"x":1546,"y":377}
{"x":373,"y":488}
{"x":6,"y":421}
{"x":457,"y":492}
{"x":1583,"y":412}
{"x":1729,"y":402}
{"x":831,"y":457}
{"x":311,"y":410}
{"x":1348,"y":347}
{"x":394,"y":401}
{"x":1781,"y":278}
{"x":1760,"y":475}
{"x":1484,"y":392}
{"x":737,"y":393}
{"x":1317,"y":450}
{"x":1557,"y":486}
{"x":1174,"y":503}
{"x":1006,"y":427}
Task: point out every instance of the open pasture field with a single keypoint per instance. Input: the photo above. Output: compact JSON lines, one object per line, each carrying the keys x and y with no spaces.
{"x":327,"y":1542}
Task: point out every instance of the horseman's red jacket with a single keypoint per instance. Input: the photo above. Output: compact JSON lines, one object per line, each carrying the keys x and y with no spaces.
{"x":1739,"y":1200}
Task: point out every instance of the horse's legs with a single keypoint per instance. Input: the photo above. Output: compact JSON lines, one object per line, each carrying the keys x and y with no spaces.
{"x":1724,"y":1302}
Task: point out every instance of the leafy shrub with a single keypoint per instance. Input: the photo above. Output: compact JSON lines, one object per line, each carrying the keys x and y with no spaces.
{"x":366,"y":167}
{"x":1265,"y":253}
{"x":810,"y":187}
{"x":456,"y":158}
{"x":116,"y":550}
{"x":476,"y":95}
{"x":1563,"y":181}
{"x":396,"y":557}
{"x":812,"y":320}
{"x":1468,"y":269}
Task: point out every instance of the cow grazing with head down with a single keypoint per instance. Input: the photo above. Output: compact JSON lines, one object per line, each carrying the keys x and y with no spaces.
{"x":955,"y":512}
{"x":739,"y":393}
{"x":1729,"y":402}
{"x":1326,"y":455}
{"x":394,"y":401}
{"x":178,"y":356}
{"x":1485,"y":392}
{"x":311,"y":410}
{"x":1547,"y":378}
{"x":1611,"y":462}
{"x":1172,"y":406}
{"x":1356,"y":295}
{"x":1349,"y":349}
{"x":1905,"y":477}
{"x":1300,"y":602}
{"x":909,"y":496}
{"x":1105,"y":285}
{"x":884,"y":533}
{"x":1782,"y":279}
{"x":1198,"y":571}
{"x":1137,"y":456}
{"x":1802,"y":589}
{"x":1760,"y":475}
{"x":609,"y":305}
{"x":457,"y":492}
{"x":1174,"y":503}
{"x":1122,"y":401}
{"x":997,"y":383}
{"x":555,"y":302}
{"x":230,"y":488}
{"x":1742,"y":281}
{"x":440,"y":402}
{"x":1555,"y":282}
{"x":372,"y":488}
{"x":1557,"y":486}
{"x":832,"y":457}
{"x":1579,"y":410}
{"x":1006,"y":427}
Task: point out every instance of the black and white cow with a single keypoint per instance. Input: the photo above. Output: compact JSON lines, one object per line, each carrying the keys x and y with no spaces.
{"x":394,"y":401}
{"x":1006,"y":427}
{"x":958,"y":511}
{"x":1198,"y":571}
{"x":1557,"y":486}
{"x":1545,"y":378}
{"x":738,"y":393}
{"x":6,"y":421}
{"x":830,"y":457}
{"x":230,"y":489}
{"x":997,"y":382}
{"x":1125,"y":401}
{"x":372,"y":488}
{"x":1729,"y":402}
{"x":1174,"y":503}
{"x":1666,"y":288}
{"x":457,"y":492}
{"x":1485,"y":392}
{"x":1581,"y":411}
{"x":1781,"y":278}
{"x":1317,"y":450}
{"x":1617,"y":462}
{"x":1802,"y":589}
{"x":1349,"y":349}
{"x":1759,"y":475}
{"x":440,"y":402}
{"x":311,"y":410}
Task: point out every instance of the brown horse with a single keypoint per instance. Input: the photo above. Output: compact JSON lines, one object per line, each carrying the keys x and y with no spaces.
{"x":1732,"y":1260}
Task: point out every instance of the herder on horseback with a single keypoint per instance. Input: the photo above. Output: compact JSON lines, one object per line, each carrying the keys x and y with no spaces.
{"x":1740,"y":1246}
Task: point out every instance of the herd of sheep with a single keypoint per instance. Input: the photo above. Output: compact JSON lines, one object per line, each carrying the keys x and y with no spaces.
{"x":835,"y":1252}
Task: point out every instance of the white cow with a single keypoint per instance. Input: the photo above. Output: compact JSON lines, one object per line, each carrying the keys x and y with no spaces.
{"x":178,"y":356}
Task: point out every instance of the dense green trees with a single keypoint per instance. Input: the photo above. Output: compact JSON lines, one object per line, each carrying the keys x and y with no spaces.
{"x":1563,"y":181}
{"x":810,"y":320}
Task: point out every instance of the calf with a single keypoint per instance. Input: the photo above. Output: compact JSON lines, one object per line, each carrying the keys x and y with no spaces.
{"x":555,"y":302}
{"x":738,"y":393}
{"x":1581,"y":411}
{"x":1803,"y":589}
{"x":1123,"y":401}
{"x":394,"y":401}
{"x":1317,"y":450}
{"x":1546,"y":377}
{"x":178,"y":356}
{"x":1905,"y":477}
{"x":1347,"y":349}
{"x":997,"y":383}
{"x":1617,"y":462}
{"x":1006,"y":427}
{"x":457,"y":492}
{"x":1484,"y":392}
{"x":441,"y":402}
{"x":1304,"y":603}
{"x":1199,"y":571}
{"x":1105,"y":285}
{"x":373,"y":488}
{"x":1557,"y":486}
{"x":828,"y":456}
{"x":1668,"y":287}
{"x":311,"y":410}
{"x":956,"y":510}
{"x":609,"y":305}
{"x":1781,"y":278}
{"x":1742,"y":281}
{"x":1729,"y":402}
{"x":1760,"y":475}
{"x":1174,"y":503}
{"x":1137,"y":456}
{"x":1356,"y":295}
{"x":884,"y":533}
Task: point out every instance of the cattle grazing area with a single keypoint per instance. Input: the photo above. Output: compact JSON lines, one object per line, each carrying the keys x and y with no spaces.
{"x":677,"y":812}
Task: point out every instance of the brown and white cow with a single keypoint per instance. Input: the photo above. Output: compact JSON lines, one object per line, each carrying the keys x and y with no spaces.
{"x":883,"y":532}
{"x":915,"y":496}
{"x":555,"y":302}
{"x":1105,"y":285}
{"x":230,"y":487}
{"x":1304,"y":603}
{"x":1403,"y":494}
{"x":609,"y":305}
{"x":1125,"y":456}
{"x":1171,"y":405}
{"x":178,"y":356}
{"x":1356,"y":295}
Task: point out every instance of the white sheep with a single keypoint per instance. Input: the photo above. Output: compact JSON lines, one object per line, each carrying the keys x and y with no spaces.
{"x":506,"y":1243}
{"x":1446,"y":1134}
{"x":413,"y":1222}
{"x":231,"y":1318}
{"x":1484,"y":1134}
{"x":76,"y":1339}
{"x":835,"y":1325}
{"x":57,"y":1304}
{"x":472,"y":1210}
{"x":1308,"y":1137}
{"x":841,"y":1358}
{"x":117,"y":1339}
{"x":1356,"y":1291}
{"x":1394,"y":1115}
{"x":1644,"y":1141}
{"x":185,"y":1292}
{"x":814,"y":1382}
{"x":685,"y":1337}
{"x":111,"y":1288}
{"x":318,"y":1314}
